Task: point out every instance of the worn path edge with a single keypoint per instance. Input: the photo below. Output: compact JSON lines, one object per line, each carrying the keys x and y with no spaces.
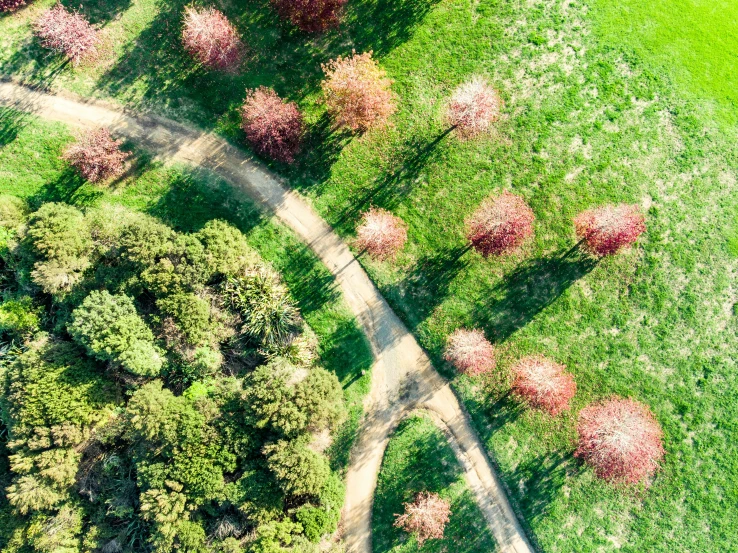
{"x":403,"y":378}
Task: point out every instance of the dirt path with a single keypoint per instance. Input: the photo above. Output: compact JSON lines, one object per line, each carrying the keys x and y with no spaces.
{"x":402,"y":378}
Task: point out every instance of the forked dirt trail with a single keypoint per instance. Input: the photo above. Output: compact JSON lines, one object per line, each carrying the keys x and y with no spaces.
{"x":402,"y":379}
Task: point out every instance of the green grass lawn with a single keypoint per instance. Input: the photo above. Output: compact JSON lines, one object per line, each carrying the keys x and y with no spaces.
{"x":418,"y":458}
{"x":30,"y":168}
{"x":588,"y":121}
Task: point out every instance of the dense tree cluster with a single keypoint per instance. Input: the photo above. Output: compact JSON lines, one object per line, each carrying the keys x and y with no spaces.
{"x":96,"y":155}
{"x":67,"y":32}
{"x":164,"y":395}
{"x":357,"y":92}
{"x":311,"y":16}
{"x":273,"y":127}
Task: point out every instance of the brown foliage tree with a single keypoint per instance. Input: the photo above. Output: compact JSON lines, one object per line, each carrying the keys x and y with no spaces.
{"x":66,"y":32}
{"x":470,"y":352}
{"x":211,"y":39}
{"x":381,"y":233}
{"x":96,"y":156}
{"x":357,"y":92}
{"x":606,"y":230}
{"x":426,"y":517}
{"x":500,"y":224}
{"x":312,"y":16}
{"x":620,"y":439}
{"x":473,"y":108}
{"x":273,"y":127}
{"x":543,"y":384}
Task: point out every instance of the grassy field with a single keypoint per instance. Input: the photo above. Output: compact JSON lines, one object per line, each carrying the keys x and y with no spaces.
{"x":591,"y":117}
{"x":31,"y":169}
{"x":417,"y":459}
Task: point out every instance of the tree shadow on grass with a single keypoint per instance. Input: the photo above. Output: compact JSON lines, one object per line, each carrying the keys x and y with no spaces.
{"x":98,"y":12}
{"x":529,"y":289}
{"x":544,"y":475}
{"x":69,"y":187}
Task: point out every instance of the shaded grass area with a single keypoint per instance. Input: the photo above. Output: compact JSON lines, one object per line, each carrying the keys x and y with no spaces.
{"x":418,"y":458}
{"x":30,"y":168}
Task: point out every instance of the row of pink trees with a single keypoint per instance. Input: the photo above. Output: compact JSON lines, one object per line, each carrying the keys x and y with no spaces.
{"x":619,"y":438}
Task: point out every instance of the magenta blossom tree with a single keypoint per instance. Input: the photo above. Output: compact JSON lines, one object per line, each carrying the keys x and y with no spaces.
{"x":312,"y":16}
{"x":543,"y":384}
{"x":470,"y":352}
{"x":474,"y":107}
{"x":273,"y":127}
{"x":500,"y":225}
{"x":68,"y":33}
{"x":608,"y":229}
{"x":96,"y":156}
{"x":211,"y":39}
{"x":381,"y":234}
{"x":426,"y":517}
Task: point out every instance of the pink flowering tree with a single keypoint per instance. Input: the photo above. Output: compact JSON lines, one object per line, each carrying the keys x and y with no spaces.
{"x":470,"y":352}
{"x":11,"y":5}
{"x":96,"y":156}
{"x":273,"y":127}
{"x":543,"y":384}
{"x":500,"y":225}
{"x":620,"y":439}
{"x":426,"y":517}
{"x":473,"y":108}
{"x":381,"y":234}
{"x":608,"y":229}
{"x":312,"y":16}
{"x":357,"y":92}
{"x":67,"y":33}
{"x":211,"y":39}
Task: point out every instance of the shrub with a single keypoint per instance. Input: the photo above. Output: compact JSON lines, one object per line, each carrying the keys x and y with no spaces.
{"x":470,"y":352}
{"x":226,"y":248}
{"x":426,"y":517}
{"x":473,"y":108}
{"x":605,"y":230}
{"x":381,"y":233}
{"x":13,"y":211}
{"x":96,"y":156}
{"x":543,"y":384}
{"x":11,"y":5}
{"x":211,"y":39}
{"x":299,"y":471}
{"x":620,"y":439}
{"x":273,"y":127}
{"x":500,"y":224}
{"x":191,"y":314}
{"x":111,"y":330}
{"x":311,"y":16}
{"x":320,"y":398}
{"x":357,"y":92}
{"x":67,"y":33}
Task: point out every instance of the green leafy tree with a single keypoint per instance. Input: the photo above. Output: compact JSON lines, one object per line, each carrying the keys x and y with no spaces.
{"x":110,"y":329}
{"x":184,"y":267}
{"x":191,"y":315}
{"x":271,"y":398}
{"x":145,"y":240}
{"x":275,"y":537}
{"x":226,"y":248}
{"x":299,"y":470}
{"x":320,"y":398}
{"x":19,"y":317}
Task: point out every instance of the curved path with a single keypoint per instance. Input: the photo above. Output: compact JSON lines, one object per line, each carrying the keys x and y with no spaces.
{"x":402,"y":378}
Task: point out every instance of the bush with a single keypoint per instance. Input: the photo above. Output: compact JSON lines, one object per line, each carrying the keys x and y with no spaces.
{"x":273,"y":127}
{"x":426,"y":517}
{"x":320,"y":398}
{"x":357,"y":92}
{"x":13,"y":211}
{"x":111,"y":330}
{"x":11,"y":5}
{"x":470,"y":352}
{"x":211,"y":39}
{"x":191,"y":314}
{"x":299,"y":470}
{"x":96,"y":156}
{"x":381,"y":233}
{"x":19,"y":316}
{"x":315,"y":522}
{"x":67,"y":33}
{"x":620,"y":439}
{"x":606,"y":230}
{"x":500,"y":225}
{"x":543,"y":384}
{"x":311,"y":16}
{"x":473,"y":108}
{"x":226,"y":248}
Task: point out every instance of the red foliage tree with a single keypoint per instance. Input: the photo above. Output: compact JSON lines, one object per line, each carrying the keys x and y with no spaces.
{"x":357,"y":92}
{"x":543,"y":384}
{"x":470,"y":352}
{"x":11,"y":5}
{"x":96,"y":156}
{"x":211,"y":39}
{"x":273,"y":127}
{"x":605,"y":230}
{"x":500,"y":224}
{"x":620,"y":439}
{"x":426,"y":517}
{"x":474,"y":107}
{"x":66,"y":32}
{"x":312,"y":16}
{"x":381,"y":233}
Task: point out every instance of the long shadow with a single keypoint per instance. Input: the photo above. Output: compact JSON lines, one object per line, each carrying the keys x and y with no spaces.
{"x":98,"y":12}
{"x":69,"y":188}
{"x":544,"y":475}
{"x":529,"y":289}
